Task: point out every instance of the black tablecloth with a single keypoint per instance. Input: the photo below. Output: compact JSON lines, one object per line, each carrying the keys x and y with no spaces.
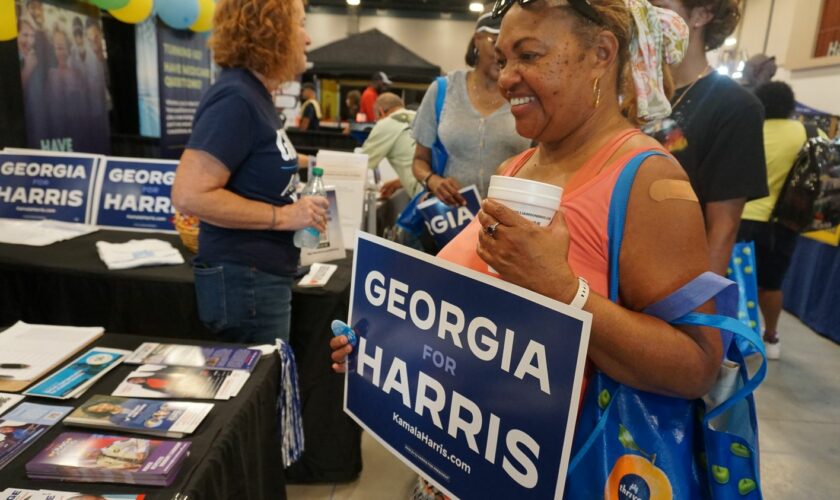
{"x":67,"y":284}
{"x":812,"y":286}
{"x":233,"y":453}
{"x":333,"y":440}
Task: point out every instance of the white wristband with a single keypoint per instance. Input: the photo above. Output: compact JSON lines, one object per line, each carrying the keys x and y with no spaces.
{"x":582,"y":294}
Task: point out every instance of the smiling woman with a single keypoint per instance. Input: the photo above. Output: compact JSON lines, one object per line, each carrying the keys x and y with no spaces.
{"x":579,"y":77}
{"x":237,"y":174}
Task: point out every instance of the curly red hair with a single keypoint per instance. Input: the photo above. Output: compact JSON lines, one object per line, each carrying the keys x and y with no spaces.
{"x":257,"y":35}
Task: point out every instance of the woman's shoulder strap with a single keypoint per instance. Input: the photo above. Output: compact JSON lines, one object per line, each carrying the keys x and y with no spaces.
{"x":618,"y":213}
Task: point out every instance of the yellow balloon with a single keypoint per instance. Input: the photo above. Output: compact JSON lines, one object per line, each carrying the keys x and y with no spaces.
{"x":8,"y":20}
{"x":135,"y":12}
{"x":206,"y":9}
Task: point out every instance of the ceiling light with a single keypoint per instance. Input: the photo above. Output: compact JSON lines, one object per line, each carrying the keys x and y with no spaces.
{"x":476,"y":7}
{"x":353,"y":2}
{"x":723,"y":70}
{"x":730,"y":42}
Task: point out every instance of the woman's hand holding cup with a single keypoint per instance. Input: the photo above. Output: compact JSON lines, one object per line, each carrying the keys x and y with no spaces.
{"x":519,"y":249}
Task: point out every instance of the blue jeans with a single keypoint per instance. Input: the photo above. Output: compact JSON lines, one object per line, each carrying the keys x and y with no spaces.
{"x":243,"y":304}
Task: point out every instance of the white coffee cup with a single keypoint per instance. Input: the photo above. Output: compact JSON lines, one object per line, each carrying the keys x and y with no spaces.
{"x":535,"y":201}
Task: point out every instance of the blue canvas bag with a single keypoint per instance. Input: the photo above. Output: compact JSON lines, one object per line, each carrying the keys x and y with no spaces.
{"x":632,"y":444}
{"x":410,"y":218}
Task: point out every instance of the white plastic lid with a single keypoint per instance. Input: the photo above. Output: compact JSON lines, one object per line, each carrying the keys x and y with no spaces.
{"x":525,"y":191}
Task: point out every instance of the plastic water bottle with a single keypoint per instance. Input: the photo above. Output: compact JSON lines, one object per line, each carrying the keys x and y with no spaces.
{"x":309,"y":237}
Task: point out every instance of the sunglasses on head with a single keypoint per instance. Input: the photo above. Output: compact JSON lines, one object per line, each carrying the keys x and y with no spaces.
{"x":583,"y":7}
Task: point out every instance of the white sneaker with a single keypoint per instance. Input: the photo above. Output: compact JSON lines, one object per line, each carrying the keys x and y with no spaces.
{"x":774,"y":350}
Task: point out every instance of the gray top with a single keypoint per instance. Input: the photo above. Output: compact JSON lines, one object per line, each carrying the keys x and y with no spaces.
{"x":476,"y":144}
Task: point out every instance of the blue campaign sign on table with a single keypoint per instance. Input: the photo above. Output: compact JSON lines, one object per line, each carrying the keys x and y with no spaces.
{"x":41,"y":185}
{"x":445,"y":222}
{"x":471,"y":381}
{"x":135,"y":193}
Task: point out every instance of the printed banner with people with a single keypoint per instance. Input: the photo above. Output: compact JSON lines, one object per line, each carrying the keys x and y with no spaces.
{"x":472,"y":382}
{"x":63,"y":74}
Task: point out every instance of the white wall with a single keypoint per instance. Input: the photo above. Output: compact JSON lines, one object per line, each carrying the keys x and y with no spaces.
{"x":440,"y":41}
{"x":816,"y":88}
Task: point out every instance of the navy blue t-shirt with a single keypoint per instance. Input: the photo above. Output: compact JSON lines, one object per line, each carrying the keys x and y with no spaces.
{"x":236,"y":123}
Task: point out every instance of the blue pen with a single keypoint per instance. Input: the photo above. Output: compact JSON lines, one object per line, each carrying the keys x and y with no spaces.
{"x":341,"y":328}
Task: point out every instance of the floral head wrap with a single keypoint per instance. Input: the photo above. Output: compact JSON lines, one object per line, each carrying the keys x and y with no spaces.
{"x":661,"y":38}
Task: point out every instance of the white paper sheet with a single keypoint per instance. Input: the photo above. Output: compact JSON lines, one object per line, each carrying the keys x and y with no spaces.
{"x":348,"y":173}
{"x":39,"y":233}
{"x":40,"y":347}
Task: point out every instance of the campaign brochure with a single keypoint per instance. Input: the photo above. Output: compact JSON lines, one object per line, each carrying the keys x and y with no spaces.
{"x":173,"y":419}
{"x":23,"y":494}
{"x":445,"y":222}
{"x":181,"y":382}
{"x":8,"y":400}
{"x":218,"y":357}
{"x":102,"y":458}
{"x":22,"y":426}
{"x":75,"y":378}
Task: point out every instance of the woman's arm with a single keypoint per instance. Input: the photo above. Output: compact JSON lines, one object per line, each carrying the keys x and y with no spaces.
{"x":445,"y":188}
{"x":664,"y":247}
{"x":199,"y":190}
{"x":722,"y":221}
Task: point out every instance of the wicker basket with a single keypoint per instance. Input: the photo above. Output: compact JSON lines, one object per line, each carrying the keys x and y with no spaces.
{"x":187,"y":227}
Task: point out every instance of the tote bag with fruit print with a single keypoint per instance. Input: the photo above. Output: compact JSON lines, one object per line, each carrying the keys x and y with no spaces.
{"x":631,"y":444}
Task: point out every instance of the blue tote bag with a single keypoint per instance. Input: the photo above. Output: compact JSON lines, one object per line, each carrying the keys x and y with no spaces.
{"x":410,"y":218}
{"x":742,"y":270}
{"x":635,"y":444}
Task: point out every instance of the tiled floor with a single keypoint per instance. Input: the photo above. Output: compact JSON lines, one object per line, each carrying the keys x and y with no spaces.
{"x":799,"y":421}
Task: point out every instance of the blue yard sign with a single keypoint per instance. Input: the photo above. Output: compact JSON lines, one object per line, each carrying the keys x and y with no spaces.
{"x":445,"y":222}
{"x":37,"y":185}
{"x":472,"y":382}
{"x":134,"y":193}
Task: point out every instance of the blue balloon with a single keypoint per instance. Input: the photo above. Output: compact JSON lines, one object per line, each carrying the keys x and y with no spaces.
{"x":178,"y":14}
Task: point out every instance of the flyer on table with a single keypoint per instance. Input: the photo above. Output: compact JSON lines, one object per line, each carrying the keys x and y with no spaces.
{"x":219,"y":357}
{"x":74,"y":378}
{"x":144,"y":416}
{"x":471,"y":381}
{"x":185,"y":382}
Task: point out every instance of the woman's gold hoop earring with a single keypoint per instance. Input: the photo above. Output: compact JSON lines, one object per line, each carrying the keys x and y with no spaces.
{"x":596,"y":90}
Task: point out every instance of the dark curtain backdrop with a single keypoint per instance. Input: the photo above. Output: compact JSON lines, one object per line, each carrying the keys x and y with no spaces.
{"x":12,"y":126}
